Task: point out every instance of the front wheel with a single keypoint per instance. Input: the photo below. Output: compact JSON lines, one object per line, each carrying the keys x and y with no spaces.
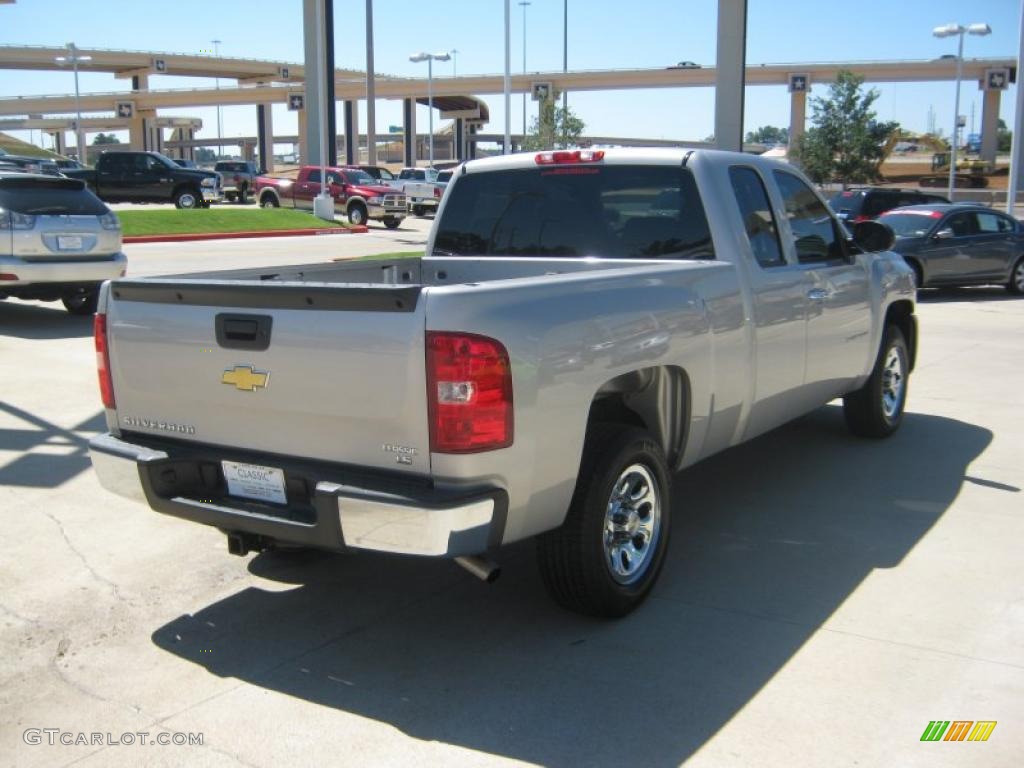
{"x":876,"y":409}
{"x":606,"y":556}
{"x":82,"y":301}
{"x":392,"y":223}
{"x":269,"y":201}
{"x":187,"y":198}
{"x":357,"y":214}
{"x":1016,"y":284}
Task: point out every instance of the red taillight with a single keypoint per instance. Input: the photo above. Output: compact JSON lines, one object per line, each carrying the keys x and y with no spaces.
{"x":99,"y":333}
{"x":8,"y":276}
{"x":469,"y":393}
{"x":565,"y":157}
{"x":858,"y":219}
{"x":437,"y":192}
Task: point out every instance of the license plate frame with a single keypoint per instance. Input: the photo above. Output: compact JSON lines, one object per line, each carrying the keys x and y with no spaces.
{"x":255,"y":482}
{"x":69,"y":242}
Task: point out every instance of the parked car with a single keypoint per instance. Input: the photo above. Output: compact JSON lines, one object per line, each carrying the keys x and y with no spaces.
{"x":149,"y":177}
{"x":361,"y":197}
{"x":67,"y":164}
{"x":685,"y":65}
{"x":57,"y":241}
{"x":420,"y":187}
{"x":238,"y":179}
{"x":584,"y":325}
{"x":185,"y":163}
{"x":864,"y":203}
{"x":34,"y":164}
{"x":960,"y":244}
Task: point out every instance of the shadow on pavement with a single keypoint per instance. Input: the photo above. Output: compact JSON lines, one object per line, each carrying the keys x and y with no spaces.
{"x":54,"y":467}
{"x":973,"y":293}
{"x":770,"y":538}
{"x":42,"y":321}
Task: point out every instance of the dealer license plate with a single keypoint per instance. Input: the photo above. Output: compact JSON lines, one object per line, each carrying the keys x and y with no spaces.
{"x":251,"y":481}
{"x":69,"y":242}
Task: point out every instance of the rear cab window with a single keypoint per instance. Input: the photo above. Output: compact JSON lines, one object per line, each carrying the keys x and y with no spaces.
{"x":609,"y":211}
{"x":49,"y":197}
{"x":758,"y":219}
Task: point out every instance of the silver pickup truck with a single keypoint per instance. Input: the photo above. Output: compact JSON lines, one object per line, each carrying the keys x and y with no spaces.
{"x":583,"y":325}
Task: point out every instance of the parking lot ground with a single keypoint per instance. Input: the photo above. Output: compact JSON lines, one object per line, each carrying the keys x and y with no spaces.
{"x":824,"y":597}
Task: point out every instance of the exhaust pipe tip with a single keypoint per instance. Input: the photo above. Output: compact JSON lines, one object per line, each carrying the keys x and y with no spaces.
{"x":483,"y":568}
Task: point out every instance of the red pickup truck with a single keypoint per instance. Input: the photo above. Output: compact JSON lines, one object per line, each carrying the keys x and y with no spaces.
{"x":355,"y":192}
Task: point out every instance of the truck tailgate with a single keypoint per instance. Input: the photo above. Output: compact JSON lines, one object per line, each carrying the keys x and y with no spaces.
{"x":332,"y":372}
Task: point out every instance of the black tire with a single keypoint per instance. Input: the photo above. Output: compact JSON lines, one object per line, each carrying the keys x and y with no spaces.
{"x":269,"y":201}
{"x":243,"y":195}
{"x":576,"y":559}
{"x":188,"y":198}
{"x":82,"y":301}
{"x":1016,"y":283}
{"x":229,"y":197}
{"x":392,"y":223}
{"x":876,"y":409}
{"x":418,"y":210}
{"x":357,"y":214}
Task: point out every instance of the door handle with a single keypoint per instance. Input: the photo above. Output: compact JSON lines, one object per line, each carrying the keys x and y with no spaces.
{"x":819,"y":294}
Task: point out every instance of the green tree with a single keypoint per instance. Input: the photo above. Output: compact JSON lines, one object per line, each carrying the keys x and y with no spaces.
{"x":205,"y":155}
{"x":1004,"y":136}
{"x":554,"y":128}
{"x":105,"y":138}
{"x":767,"y":134}
{"x":846,"y":140}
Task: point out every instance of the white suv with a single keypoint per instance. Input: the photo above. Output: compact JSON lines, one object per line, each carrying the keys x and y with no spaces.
{"x":57,"y":241}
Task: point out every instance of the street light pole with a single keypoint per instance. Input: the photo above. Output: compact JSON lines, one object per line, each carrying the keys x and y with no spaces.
{"x":565,"y":53}
{"x":507,"y":84}
{"x":73,"y":58}
{"x":455,"y":61}
{"x":524,"y":4}
{"x":430,"y":58}
{"x":949,"y":30}
{"x":216,"y":54}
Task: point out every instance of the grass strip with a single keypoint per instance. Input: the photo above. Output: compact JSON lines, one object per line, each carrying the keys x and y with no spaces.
{"x":209,"y":220}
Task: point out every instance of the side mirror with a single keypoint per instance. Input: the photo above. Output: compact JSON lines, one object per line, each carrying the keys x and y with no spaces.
{"x":873,"y":236}
{"x":943,"y":234}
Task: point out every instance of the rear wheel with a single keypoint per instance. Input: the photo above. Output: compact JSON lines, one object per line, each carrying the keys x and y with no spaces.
{"x":418,"y":210}
{"x":187,"y":198}
{"x":606,"y":556}
{"x":876,"y":409}
{"x":82,"y":301}
{"x":1016,"y":284}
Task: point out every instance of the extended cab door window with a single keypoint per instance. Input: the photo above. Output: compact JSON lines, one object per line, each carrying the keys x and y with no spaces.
{"x":758,"y":219}
{"x":815,"y":236}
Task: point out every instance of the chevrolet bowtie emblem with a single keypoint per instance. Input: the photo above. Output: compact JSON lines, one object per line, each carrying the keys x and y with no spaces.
{"x":245,"y":377}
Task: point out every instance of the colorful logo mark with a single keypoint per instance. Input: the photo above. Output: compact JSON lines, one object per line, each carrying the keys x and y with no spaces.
{"x":958,"y":730}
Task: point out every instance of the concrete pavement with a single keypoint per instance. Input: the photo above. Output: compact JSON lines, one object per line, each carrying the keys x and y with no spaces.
{"x":824,"y":597}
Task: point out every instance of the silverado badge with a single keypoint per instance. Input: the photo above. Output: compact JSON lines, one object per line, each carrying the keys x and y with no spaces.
{"x":245,"y":378}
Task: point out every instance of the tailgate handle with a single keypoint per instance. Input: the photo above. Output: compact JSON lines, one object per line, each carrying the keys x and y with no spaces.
{"x":243,"y":331}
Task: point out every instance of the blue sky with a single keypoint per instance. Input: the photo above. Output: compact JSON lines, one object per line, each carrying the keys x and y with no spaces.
{"x":602,"y":35}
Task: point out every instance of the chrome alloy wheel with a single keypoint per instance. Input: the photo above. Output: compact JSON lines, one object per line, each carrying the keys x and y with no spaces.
{"x":1018,"y":276}
{"x":892,"y":383}
{"x":632,"y":524}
